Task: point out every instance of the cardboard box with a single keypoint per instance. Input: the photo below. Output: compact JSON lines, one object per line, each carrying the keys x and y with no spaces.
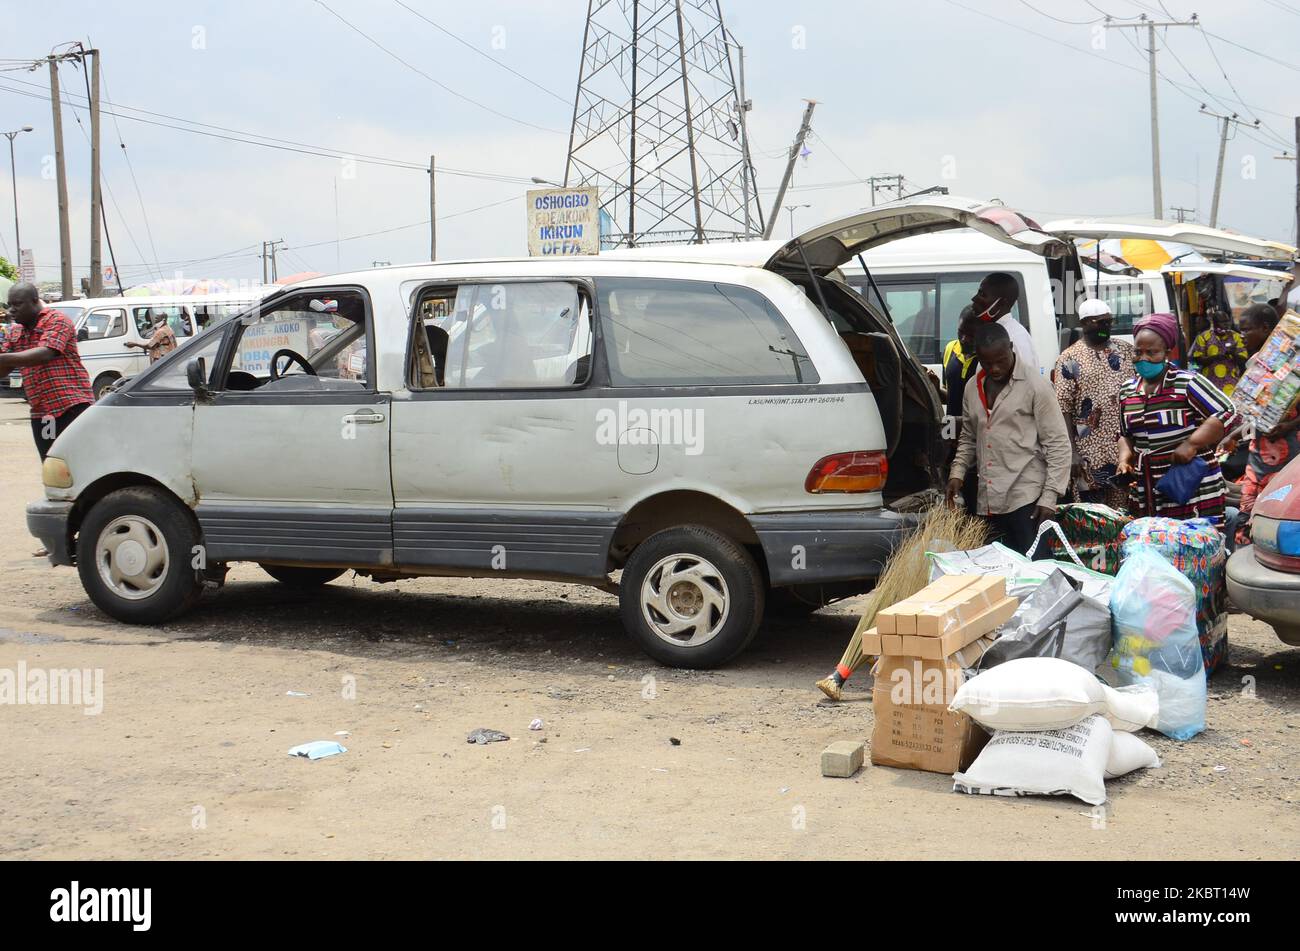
{"x":961,"y":607}
{"x":900,"y":618}
{"x":913,"y":681}
{"x":927,"y":737}
{"x":937,"y":648}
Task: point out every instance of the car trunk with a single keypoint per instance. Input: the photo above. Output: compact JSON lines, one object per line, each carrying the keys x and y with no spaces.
{"x":907,"y":395}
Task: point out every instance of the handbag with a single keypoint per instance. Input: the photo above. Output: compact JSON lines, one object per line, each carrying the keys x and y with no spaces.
{"x":1180,"y":483}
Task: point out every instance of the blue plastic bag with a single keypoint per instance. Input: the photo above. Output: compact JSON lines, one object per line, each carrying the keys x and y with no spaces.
{"x":1181,"y":482}
{"x":1153,"y":610}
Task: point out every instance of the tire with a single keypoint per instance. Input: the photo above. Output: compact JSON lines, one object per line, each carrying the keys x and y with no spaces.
{"x":303,"y":577}
{"x":717,"y":603}
{"x":162,"y":536}
{"x":102,"y":383}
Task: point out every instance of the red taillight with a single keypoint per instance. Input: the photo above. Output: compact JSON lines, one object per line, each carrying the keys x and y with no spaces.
{"x":848,"y":472}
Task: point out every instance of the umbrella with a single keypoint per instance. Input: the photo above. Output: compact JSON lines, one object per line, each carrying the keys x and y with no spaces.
{"x":1146,"y":254}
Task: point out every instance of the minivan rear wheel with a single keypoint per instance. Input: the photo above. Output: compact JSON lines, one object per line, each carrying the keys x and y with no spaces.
{"x":303,"y":577}
{"x":135,"y":553}
{"x":691,"y":597}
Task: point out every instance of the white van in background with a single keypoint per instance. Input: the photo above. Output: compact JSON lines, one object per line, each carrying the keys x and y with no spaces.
{"x":106,"y":325}
{"x":925,"y":282}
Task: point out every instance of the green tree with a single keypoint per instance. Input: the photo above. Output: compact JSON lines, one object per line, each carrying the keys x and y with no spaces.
{"x":8,"y":270}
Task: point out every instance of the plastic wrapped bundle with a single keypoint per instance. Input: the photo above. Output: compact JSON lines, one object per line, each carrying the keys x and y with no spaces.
{"x":1094,"y":532}
{"x":1199,"y":552}
{"x":1156,"y":644}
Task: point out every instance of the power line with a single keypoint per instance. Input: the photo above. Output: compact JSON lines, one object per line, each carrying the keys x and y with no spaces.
{"x":320,"y":151}
{"x":491,"y":59}
{"x":414,"y":224}
{"x":1088,"y":52}
{"x":144,"y":214}
{"x":415,"y":69}
{"x":1025,"y":3}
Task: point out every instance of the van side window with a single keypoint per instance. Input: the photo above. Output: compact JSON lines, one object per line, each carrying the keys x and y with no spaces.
{"x":177,"y":319}
{"x":513,"y":335}
{"x":313,"y":341}
{"x":694,"y":333}
{"x":103,"y":324}
{"x":927,"y":308}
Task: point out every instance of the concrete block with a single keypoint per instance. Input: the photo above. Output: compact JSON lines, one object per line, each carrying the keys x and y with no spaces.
{"x":842,"y":759}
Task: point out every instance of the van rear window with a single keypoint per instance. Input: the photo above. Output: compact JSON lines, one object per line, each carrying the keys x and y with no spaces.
{"x":696,"y":333}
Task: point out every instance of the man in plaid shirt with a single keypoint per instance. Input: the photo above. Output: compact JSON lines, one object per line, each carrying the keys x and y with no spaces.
{"x":44,"y":347}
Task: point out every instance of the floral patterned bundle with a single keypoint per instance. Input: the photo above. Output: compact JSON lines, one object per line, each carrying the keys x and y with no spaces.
{"x":1198,"y":550}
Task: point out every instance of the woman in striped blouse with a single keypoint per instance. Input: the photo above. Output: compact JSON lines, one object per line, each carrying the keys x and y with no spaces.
{"x":1170,"y":417}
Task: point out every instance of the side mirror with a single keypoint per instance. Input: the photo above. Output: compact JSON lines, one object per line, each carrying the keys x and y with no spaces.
{"x":83,"y":335}
{"x":196,"y":374}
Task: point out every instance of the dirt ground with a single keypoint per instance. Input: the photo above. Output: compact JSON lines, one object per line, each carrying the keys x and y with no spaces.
{"x":188,"y":757}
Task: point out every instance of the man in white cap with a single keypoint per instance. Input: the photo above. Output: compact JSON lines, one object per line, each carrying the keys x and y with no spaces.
{"x":1088,"y":378}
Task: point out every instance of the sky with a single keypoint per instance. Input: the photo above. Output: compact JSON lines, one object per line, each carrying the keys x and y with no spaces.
{"x":1032,"y":103}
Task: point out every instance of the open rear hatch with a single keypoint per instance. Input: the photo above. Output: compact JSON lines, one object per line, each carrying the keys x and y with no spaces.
{"x":1214,"y":240}
{"x":906,"y":394}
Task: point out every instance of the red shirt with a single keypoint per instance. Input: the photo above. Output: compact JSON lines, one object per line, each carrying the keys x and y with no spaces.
{"x":55,"y":387}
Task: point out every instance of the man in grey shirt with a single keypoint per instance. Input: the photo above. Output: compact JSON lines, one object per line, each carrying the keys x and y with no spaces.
{"x":1014,"y":434}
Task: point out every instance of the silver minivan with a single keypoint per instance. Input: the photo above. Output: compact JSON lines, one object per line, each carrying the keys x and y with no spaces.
{"x":713,"y":431}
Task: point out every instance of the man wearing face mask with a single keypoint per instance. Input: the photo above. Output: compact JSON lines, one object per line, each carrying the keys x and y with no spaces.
{"x":1088,"y":377}
{"x":995,"y":302}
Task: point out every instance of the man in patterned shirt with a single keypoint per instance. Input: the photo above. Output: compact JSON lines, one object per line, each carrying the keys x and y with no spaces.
{"x":44,"y":346}
{"x":161,"y":342}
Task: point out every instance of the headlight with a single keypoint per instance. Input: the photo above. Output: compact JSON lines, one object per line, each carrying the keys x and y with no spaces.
{"x":56,"y":474}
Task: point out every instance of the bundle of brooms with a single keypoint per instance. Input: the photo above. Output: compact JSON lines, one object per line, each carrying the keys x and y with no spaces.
{"x":906,"y":572}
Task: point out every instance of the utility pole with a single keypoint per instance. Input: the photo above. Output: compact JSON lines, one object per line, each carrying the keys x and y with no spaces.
{"x":96,"y":195}
{"x":61,"y":176}
{"x":795,"y":149}
{"x":881,"y":182}
{"x":1225,"y":128}
{"x":792,"y":209}
{"x":268,"y":253}
{"x":1184,"y":215}
{"x":1150,"y":26}
{"x":433,"y":208}
{"x":13,"y":179}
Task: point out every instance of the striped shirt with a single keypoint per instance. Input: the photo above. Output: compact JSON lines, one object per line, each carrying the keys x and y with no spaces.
{"x":1158,"y":423}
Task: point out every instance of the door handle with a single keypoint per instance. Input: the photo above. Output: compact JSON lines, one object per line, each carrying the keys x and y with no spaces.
{"x":364,"y":418}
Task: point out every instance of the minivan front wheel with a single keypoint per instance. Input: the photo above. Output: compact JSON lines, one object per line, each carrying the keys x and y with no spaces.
{"x":691,"y":597}
{"x":134,"y":554}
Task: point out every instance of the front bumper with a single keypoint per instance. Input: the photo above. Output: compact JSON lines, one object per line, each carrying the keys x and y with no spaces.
{"x":49,"y":522}
{"x":822,"y":547}
{"x":1265,"y":593}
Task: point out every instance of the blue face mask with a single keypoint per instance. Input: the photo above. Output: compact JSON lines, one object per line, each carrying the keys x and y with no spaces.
{"x":1150,"y":370}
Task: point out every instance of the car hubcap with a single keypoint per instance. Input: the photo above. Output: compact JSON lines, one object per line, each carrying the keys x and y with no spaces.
{"x":685,"y":601}
{"x":132,"y":557}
